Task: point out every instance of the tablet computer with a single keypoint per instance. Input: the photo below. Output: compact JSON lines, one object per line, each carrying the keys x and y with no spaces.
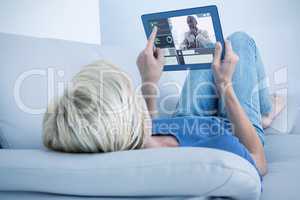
{"x":187,"y":37}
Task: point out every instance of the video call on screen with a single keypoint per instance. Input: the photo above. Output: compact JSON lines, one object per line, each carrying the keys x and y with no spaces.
{"x":186,"y":39}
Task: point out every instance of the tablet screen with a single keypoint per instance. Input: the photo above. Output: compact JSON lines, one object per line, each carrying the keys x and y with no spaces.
{"x":186,"y":39}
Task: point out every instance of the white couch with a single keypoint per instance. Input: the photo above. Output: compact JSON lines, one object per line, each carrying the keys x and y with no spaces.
{"x":29,"y":171}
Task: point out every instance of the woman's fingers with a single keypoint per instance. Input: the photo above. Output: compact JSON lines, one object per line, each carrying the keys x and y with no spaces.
{"x":217,"y":55}
{"x":151,"y":40}
{"x":228,"y":48}
{"x":230,"y":55}
{"x":160,"y":54}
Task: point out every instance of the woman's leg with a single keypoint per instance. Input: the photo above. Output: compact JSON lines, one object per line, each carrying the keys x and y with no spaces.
{"x":246,"y":81}
{"x":264,"y":94}
{"x":198,"y":96}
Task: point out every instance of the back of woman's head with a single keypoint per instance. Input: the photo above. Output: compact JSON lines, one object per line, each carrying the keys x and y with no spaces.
{"x":98,"y":112}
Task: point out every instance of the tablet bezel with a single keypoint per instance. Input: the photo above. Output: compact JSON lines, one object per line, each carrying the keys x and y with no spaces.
{"x":213,"y":10}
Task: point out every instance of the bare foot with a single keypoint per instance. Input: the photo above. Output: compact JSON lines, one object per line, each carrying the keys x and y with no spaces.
{"x":278,"y":104}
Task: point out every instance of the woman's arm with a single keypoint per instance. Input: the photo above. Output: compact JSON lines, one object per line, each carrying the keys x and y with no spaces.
{"x":150,"y":63}
{"x":243,"y":128}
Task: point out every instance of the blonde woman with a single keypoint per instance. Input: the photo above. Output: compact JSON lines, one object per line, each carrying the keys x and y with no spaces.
{"x":101,"y":112}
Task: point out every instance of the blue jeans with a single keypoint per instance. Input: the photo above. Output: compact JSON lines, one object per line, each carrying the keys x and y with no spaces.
{"x":199,"y":94}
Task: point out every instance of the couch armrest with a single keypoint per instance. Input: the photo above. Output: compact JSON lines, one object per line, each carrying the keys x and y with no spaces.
{"x":149,"y":172}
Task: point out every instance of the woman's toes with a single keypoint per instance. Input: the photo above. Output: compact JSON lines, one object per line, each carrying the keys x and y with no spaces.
{"x":266,"y":121}
{"x":278,"y":102}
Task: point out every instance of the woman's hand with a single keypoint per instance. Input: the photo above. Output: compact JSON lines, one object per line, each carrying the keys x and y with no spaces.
{"x":223,"y":70}
{"x":243,"y":127}
{"x":151,"y":61}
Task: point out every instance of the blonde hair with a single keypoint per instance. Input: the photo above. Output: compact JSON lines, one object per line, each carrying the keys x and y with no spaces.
{"x":99,"y":112}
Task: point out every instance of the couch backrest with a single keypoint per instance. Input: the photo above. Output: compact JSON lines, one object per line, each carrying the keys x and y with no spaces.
{"x":28,"y":66}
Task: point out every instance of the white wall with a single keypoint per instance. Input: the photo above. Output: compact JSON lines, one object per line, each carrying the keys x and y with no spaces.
{"x":274,"y":24}
{"x":76,"y":20}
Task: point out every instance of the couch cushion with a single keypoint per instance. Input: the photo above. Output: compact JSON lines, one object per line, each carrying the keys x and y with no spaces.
{"x":296,"y":126}
{"x":148,"y":172}
{"x":287,"y":119}
{"x":281,"y":148}
{"x":283,"y":155}
{"x":28,"y":66}
{"x":44,"y":196}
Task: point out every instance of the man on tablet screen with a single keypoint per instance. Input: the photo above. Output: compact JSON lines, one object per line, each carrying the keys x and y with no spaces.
{"x":195,"y":38}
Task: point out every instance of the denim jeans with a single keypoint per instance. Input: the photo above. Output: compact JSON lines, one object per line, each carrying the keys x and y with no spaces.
{"x":199,"y":94}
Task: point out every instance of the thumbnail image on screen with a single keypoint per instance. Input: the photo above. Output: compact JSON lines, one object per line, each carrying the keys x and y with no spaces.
{"x":186,"y":39}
